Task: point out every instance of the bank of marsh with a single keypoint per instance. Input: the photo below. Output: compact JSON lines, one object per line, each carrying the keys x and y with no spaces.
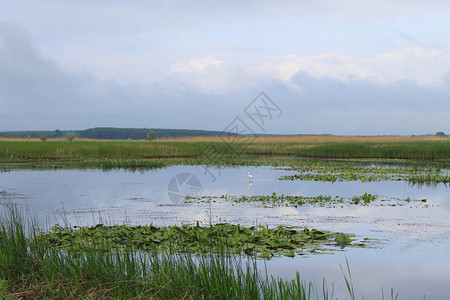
{"x":82,"y":150}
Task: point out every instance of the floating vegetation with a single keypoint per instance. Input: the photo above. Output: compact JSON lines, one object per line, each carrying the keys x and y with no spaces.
{"x":366,"y":199}
{"x":258,"y":241}
{"x":365,"y":171}
{"x":429,"y":179}
{"x":275,"y":200}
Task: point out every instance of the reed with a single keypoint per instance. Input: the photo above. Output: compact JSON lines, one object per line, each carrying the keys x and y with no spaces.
{"x":81,"y":150}
{"x":311,"y":139}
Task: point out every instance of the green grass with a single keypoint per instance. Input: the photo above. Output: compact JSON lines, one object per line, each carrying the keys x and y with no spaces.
{"x":419,"y":150}
{"x":33,"y":268}
{"x":34,"y":150}
{"x":16,"y":151}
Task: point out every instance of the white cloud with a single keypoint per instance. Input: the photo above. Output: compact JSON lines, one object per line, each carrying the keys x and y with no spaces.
{"x":424,"y":65}
{"x":209,"y":92}
{"x":210,"y":75}
{"x":196,"y":65}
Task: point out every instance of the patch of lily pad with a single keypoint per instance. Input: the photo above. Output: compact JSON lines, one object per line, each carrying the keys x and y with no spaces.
{"x":337,"y":172}
{"x":257,"y":241}
{"x":275,"y":200}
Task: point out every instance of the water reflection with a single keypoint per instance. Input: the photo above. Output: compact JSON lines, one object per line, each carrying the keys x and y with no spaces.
{"x":414,"y":259}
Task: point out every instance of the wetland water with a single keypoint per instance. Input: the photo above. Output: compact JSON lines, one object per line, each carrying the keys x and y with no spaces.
{"x":413,"y":256}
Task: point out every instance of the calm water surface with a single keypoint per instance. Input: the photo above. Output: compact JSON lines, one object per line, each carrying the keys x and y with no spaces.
{"x":413,"y":258}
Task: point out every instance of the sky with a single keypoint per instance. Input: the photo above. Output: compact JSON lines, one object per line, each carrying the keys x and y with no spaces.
{"x":329,"y":67}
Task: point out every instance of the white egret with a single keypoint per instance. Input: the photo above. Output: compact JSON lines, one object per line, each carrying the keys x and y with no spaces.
{"x":250,"y":176}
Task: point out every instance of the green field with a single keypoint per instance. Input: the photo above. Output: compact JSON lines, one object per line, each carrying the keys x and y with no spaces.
{"x":215,"y":150}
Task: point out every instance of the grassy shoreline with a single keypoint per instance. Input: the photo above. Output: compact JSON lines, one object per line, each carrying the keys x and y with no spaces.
{"x":34,"y":268}
{"x":213,"y":149}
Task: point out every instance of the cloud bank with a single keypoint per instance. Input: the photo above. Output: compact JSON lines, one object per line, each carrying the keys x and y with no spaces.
{"x":150,"y":71}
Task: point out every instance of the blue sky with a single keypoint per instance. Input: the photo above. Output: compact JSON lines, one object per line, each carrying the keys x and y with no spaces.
{"x":340,"y":67}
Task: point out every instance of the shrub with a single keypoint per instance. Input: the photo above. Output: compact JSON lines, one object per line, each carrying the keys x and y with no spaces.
{"x":151,"y":135}
{"x":70,"y":136}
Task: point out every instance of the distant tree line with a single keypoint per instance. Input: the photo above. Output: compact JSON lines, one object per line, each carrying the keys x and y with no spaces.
{"x":105,"y":133}
{"x":36,"y":134}
{"x":142,"y":133}
{"x":110,"y":133}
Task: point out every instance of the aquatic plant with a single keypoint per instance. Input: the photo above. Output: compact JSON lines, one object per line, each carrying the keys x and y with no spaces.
{"x":366,"y":199}
{"x":367,"y":171}
{"x":259,"y":241}
{"x":32,"y":267}
{"x":275,"y":200}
